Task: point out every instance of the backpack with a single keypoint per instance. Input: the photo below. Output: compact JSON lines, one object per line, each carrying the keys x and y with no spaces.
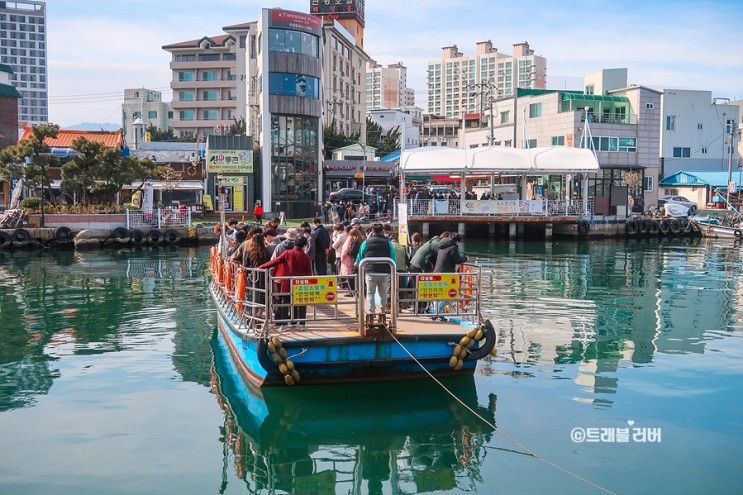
{"x":354,"y":251}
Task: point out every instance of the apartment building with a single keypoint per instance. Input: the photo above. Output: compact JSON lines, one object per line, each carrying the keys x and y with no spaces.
{"x":696,"y":129}
{"x":408,"y":120}
{"x":344,"y":80}
{"x":621,"y":122}
{"x":204,"y":85}
{"x":23,"y":47}
{"x":145,"y":106}
{"x":452,"y":77}
{"x":387,"y":87}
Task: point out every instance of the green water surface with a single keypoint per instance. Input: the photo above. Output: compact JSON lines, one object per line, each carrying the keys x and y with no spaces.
{"x":111,"y":382}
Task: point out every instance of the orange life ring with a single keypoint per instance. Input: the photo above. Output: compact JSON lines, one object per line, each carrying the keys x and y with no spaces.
{"x":240,"y":288}
{"x":466,"y":283}
{"x":228,"y":281}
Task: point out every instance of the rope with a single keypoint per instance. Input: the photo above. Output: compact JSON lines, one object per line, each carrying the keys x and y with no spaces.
{"x":495,"y":428}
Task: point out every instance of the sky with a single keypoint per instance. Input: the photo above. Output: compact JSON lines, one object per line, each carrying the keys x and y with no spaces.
{"x":97,"y":48}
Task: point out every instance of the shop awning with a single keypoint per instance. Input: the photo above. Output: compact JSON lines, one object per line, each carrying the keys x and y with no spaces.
{"x":180,"y":185}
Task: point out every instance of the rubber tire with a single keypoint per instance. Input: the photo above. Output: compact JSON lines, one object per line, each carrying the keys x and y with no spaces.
{"x":664,"y":227}
{"x":490,"y":340}
{"x":136,"y":236}
{"x":631,"y":227}
{"x":120,"y":233}
{"x":583,"y":227}
{"x":675,"y":226}
{"x":63,"y":234}
{"x":171,"y":237}
{"x":644,"y":226}
{"x":738,"y":233}
{"x":154,"y":236}
{"x":654,"y":228}
{"x":684,"y":223}
{"x":21,"y":236}
{"x":264,"y":358}
{"x":5,"y":241}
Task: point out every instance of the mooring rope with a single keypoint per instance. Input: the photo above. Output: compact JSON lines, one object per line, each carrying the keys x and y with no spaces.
{"x":495,"y":428}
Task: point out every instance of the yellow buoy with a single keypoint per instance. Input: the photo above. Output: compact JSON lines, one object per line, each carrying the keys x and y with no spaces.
{"x":459,"y":365}
{"x":276,"y":342}
{"x":283,"y":369}
{"x":479,"y":335}
{"x":457,"y":350}
{"x":471,"y":333}
{"x":295,"y":375}
{"x":289,"y":364}
{"x":276,"y":358}
{"x":282,"y":353}
{"x":465,"y":341}
{"x":271,"y":347}
{"x":289,"y":380}
{"x":453,"y":361}
{"x":494,"y":351}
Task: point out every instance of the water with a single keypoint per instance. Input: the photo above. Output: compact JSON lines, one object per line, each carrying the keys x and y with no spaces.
{"x":111,"y":382}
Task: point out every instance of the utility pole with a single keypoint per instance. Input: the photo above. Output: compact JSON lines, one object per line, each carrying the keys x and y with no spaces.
{"x":733,"y":132}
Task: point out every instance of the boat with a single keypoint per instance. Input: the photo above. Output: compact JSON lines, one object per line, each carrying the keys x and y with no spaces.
{"x":349,"y":438}
{"x":712,"y":227}
{"x":318,"y":332}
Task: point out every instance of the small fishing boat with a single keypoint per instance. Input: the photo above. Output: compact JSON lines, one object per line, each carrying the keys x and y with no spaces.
{"x":318,"y":331}
{"x":277,"y":438}
{"x":712,"y":228}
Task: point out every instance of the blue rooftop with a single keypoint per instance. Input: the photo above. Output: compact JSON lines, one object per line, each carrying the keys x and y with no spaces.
{"x":392,"y":157}
{"x":702,"y":178}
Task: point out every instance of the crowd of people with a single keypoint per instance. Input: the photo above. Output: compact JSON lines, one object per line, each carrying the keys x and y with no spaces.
{"x":313,"y":250}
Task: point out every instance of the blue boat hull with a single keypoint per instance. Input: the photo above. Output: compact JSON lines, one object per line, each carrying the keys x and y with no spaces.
{"x":321,"y":361}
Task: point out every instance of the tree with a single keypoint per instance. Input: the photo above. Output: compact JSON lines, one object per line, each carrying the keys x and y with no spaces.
{"x":374,"y":133}
{"x":157,"y":134}
{"x":334,"y":139}
{"x":13,"y":159}
{"x":239,"y":127}
{"x":79,"y":174}
{"x":384,"y":142}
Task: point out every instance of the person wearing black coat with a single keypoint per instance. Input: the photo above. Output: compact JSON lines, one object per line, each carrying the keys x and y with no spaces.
{"x":447,"y":260}
{"x":322,"y":244}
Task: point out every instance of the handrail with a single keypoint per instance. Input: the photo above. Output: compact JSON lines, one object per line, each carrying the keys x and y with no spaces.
{"x":361,"y":284}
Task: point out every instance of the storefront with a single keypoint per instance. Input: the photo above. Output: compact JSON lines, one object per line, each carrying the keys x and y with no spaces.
{"x":357,"y":174}
{"x":229,"y":163}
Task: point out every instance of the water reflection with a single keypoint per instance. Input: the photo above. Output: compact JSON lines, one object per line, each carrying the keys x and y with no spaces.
{"x":377,"y":438}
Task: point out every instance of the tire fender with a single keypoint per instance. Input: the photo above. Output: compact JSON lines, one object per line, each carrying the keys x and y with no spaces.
{"x":490,"y":340}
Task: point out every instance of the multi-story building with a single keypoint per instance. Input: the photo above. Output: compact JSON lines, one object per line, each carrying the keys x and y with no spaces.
{"x":205,"y":85}
{"x":622,"y":122}
{"x":387,"y":87}
{"x":408,"y":120}
{"x":452,"y":79}
{"x":695,"y":133}
{"x":9,"y":97}
{"x":440,"y":131}
{"x":344,"y":80}
{"x":148,"y":106}
{"x":23,"y":47}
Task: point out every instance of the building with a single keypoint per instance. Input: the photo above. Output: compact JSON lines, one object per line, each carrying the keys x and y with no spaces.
{"x":351,"y":16}
{"x":344,"y":80}
{"x":408,"y":120}
{"x":623,"y":127}
{"x":695,"y":132}
{"x":205,"y":85}
{"x":451,"y":78}
{"x":290,"y":105}
{"x":702,"y":187}
{"x":148,"y":106}
{"x":387,"y":87}
{"x":440,"y":131}
{"x":9,"y":97}
{"x":23,"y":47}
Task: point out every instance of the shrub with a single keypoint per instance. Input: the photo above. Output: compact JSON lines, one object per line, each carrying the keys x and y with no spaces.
{"x":32,"y":204}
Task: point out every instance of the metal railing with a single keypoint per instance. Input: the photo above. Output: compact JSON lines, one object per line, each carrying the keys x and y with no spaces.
{"x":161,"y":217}
{"x":511,"y":208}
{"x":362,"y":280}
{"x":286,"y":309}
{"x":251,"y":311}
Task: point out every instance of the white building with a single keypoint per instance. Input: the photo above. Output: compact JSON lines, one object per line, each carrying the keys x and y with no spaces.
{"x":695,"y":133}
{"x":408,"y":120}
{"x":23,"y":47}
{"x":148,"y":106}
{"x":450,"y":78}
{"x":387,"y":87}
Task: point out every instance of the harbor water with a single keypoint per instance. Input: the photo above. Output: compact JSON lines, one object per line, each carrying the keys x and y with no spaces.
{"x":620,"y":363}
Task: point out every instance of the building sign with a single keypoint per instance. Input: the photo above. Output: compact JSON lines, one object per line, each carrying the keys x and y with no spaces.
{"x":229,"y":161}
{"x":503,"y":207}
{"x":288,"y":19}
{"x":339,"y":9}
{"x":402,"y":223}
{"x":312,"y":291}
{"x":438,"y":287}
{"x":232,"y":180}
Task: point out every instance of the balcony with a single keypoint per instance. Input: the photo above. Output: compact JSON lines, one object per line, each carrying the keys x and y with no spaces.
{"x":610,"y":118}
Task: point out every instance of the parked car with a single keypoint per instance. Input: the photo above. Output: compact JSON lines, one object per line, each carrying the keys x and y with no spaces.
{"x":347,"y":194}
{"x":679,"y":200}
{"x":445,"y":190}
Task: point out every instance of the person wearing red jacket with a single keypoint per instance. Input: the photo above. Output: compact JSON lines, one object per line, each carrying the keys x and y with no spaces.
{"x":258,"y":212}
{"x":291,"y":263}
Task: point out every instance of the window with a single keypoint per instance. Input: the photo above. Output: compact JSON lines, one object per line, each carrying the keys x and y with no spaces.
{"x":187,"y":115}
{"x":136,"y":115}
{"x":210,"y":75}
{"x":186,"y":96}
{"x":152,"y":114}
{"x":681,"y":152}
{"x":505,"y":117}
{"x":185,"y":76}
{"x":229,"y":56}
{"x":281,"y":83}
{"x":648,"y":184}
{"x":209,"y":95}
{"x":649,"y":106}
{"x":170,"y":115}
{"x":558,"y":140}
{"x":628,"y":144}
{"x":287,"y":41}
{"x":531,"y":143}
{"x":615,"y":144}
{"x":590,"y":89}
{"x":670,"y":122}
{"x":535,"y":110}
{"x":729,"y":126}
{"x":185,"y":58}
{"x":208,"y":57}
{"x":211,"y":114}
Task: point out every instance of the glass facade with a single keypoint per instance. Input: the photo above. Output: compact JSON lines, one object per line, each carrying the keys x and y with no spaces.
{"x":288,"y":41}
{"x":283,"y":84}
{"x":294,"y":165}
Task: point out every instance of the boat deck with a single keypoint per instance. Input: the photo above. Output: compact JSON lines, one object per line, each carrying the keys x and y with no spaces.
{"x":409,"y":325}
